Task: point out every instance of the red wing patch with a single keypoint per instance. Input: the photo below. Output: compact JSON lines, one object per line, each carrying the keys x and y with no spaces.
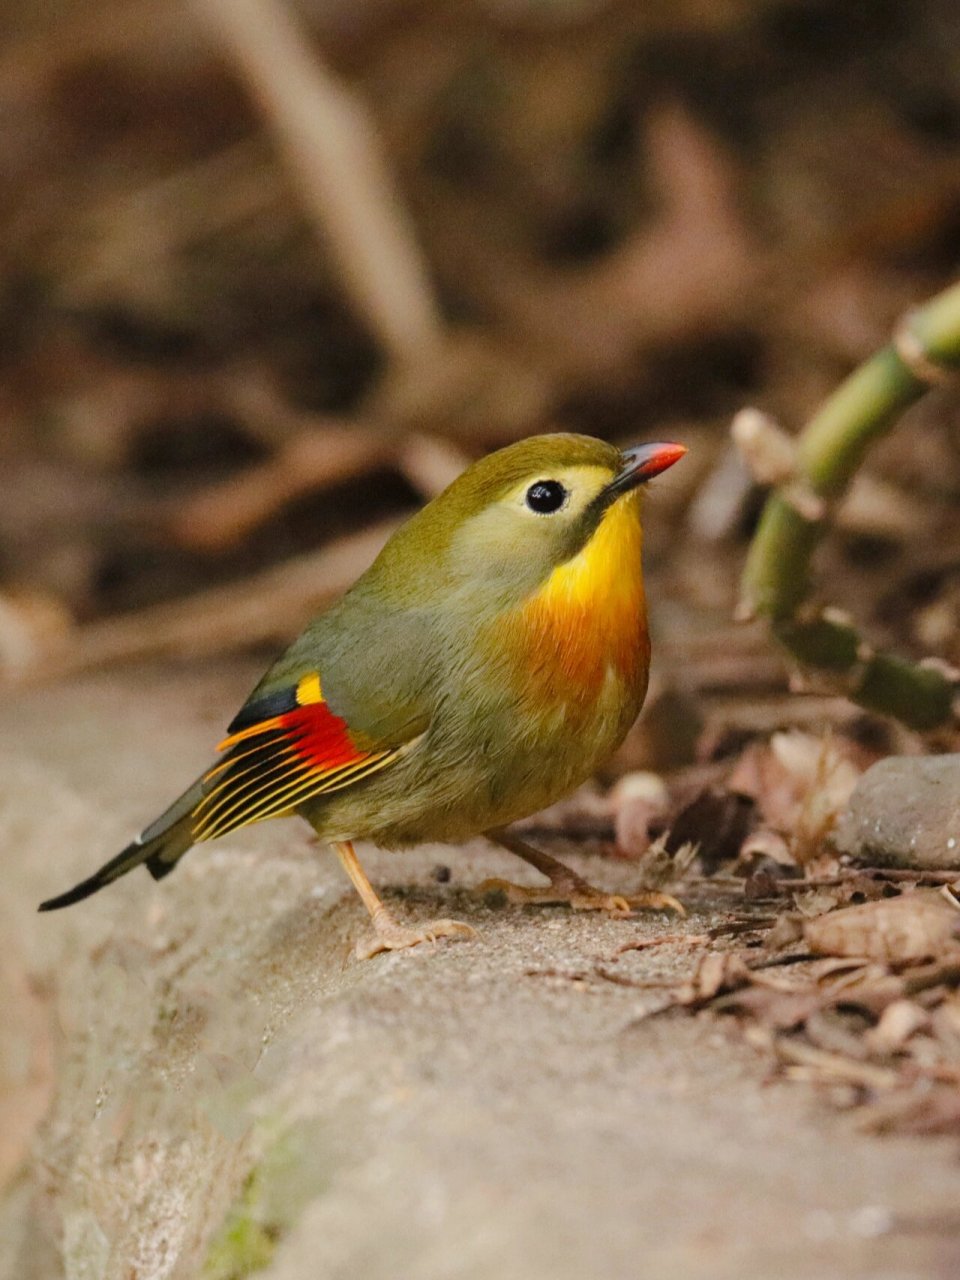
{"x":275,"y":764}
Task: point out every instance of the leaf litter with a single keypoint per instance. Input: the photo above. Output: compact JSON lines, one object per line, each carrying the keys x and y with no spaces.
{"x":845,"y":976}
{"x":861,"y":1001}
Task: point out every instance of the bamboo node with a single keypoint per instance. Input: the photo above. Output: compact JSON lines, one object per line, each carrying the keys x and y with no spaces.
{"x":768,"y":452}
{"x":946,"y":669}
{"x":915,"y":356}
{"x":770,"y":456}
{"x":804,"y":501}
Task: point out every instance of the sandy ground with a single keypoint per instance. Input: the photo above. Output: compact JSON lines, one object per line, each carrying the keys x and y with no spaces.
{"x":180,"y":1056}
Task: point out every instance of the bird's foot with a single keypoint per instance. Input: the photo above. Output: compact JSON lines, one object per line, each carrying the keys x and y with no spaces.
{"x":570,"y":890}
{"x":388,"y":935}
{"x":577,"y":894}
{"x":566,"y":888}
{"x":651,"y":900}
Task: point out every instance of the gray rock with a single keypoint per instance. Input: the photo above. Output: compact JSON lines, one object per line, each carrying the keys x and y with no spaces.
{"x":205,"y":1048}
{"x":905,"y":811}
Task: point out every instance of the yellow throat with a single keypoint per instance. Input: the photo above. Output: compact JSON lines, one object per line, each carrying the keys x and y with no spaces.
{"x":589,"y":617}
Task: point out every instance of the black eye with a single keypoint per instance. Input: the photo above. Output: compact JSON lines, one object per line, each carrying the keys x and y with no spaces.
{"x":546,"y":496}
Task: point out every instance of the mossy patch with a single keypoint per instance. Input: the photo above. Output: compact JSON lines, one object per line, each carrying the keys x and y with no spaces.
{"x":242,"y":1246}
{"x":287,"y":1176}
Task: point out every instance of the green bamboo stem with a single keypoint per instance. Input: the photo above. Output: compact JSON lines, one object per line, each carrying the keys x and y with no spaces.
{"x":777,"y":576}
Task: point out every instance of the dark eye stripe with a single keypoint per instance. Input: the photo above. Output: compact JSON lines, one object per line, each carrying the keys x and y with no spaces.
{"x":546,"y":496}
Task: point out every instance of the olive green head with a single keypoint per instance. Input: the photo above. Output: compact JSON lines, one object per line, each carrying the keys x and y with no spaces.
{"x":517,"y":514}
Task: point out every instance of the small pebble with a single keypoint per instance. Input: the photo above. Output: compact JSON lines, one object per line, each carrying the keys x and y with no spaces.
{"x":905,"y":811}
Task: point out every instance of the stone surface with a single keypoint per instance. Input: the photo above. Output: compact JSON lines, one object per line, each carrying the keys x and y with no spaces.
{"x":491,"y":1109}
{"x":905,"y":811}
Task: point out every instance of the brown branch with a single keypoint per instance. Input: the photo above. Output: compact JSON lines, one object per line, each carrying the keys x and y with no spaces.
{"x":314,"y":459}
{"x":267,"y":608}
{"x":331,"y":144}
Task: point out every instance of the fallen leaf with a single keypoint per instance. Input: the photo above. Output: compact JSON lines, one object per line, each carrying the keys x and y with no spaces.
{"x":800,"y":783}
{"x":897,"y":1024}
{"x":833,"y":1066}
{"x":716,"y":972}
{"x":913,"y":926}
{"x":767,"y":844}
{"x":775,"y":1010}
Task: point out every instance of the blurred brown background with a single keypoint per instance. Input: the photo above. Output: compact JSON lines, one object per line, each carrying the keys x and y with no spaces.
{"x":270,"y":274}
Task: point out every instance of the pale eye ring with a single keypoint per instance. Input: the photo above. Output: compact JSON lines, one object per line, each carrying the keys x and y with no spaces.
{"x":545,"y":497}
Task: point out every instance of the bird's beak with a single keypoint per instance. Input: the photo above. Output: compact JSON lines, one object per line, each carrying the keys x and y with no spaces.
{"x":640,"y":465}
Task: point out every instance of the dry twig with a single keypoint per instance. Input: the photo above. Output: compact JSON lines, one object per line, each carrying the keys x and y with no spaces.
{"x":267,"y":608}
{"x":331,"y":143}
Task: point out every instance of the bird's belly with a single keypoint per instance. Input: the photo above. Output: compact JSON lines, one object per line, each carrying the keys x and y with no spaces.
{"x":567,"y":743}
{"x":458,"y":782}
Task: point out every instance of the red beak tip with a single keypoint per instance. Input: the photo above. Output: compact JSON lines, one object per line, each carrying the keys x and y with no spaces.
{"x":643,"y":462}
{"x":666,"y":455}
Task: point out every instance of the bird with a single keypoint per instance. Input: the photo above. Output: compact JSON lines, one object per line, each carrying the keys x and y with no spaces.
{"x":488,"y":662}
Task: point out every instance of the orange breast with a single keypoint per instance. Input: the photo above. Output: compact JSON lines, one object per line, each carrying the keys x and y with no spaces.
{"x":588,"y":621}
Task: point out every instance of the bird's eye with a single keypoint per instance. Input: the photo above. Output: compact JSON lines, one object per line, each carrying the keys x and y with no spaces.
{"x":546,"y":496}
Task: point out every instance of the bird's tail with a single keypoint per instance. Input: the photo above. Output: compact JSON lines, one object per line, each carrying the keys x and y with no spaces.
{"x":160,"y":846}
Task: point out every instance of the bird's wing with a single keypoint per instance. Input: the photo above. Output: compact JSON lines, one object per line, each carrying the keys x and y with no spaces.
{"x":285,"y":747}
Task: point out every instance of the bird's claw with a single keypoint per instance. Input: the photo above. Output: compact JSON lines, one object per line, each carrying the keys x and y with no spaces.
{"x":650,"y":900}
{"x":580,"y":896}
{"x":576,"y":894}
{"x":388,"y":935}
{"x":597,"y":900}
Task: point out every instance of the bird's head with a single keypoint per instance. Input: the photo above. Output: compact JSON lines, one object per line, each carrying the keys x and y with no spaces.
{"x":518,"y":514}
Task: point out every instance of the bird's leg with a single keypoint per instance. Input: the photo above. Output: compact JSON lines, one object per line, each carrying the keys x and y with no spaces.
{"x":566,"y":887}
{"x":388,"y":935}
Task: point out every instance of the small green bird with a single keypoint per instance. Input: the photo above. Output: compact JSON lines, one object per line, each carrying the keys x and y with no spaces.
{"x":492,"y":657}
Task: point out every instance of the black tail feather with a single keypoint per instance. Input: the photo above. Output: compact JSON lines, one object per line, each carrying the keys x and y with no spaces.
{"x":160,"y":866}
{"x":161,"y":846}
{"x":123,"y":862}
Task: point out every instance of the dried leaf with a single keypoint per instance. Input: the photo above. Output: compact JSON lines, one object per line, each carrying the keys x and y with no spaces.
{"x":837,"y":1031}
{"x":787,"y":931}
{"x":774,"y":1009}
{"x":897,"y":1024}
{"x":800,"y":783}
{"x":946,"y":1024}
{"x":919,"y":1110}
{"x":914,"y":926}
{"x":817,"y":902}
{"x":719,"y":971}
{"x":769,"y":453}
{"x":766,"y":844}
{"x":826,"y":1066}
